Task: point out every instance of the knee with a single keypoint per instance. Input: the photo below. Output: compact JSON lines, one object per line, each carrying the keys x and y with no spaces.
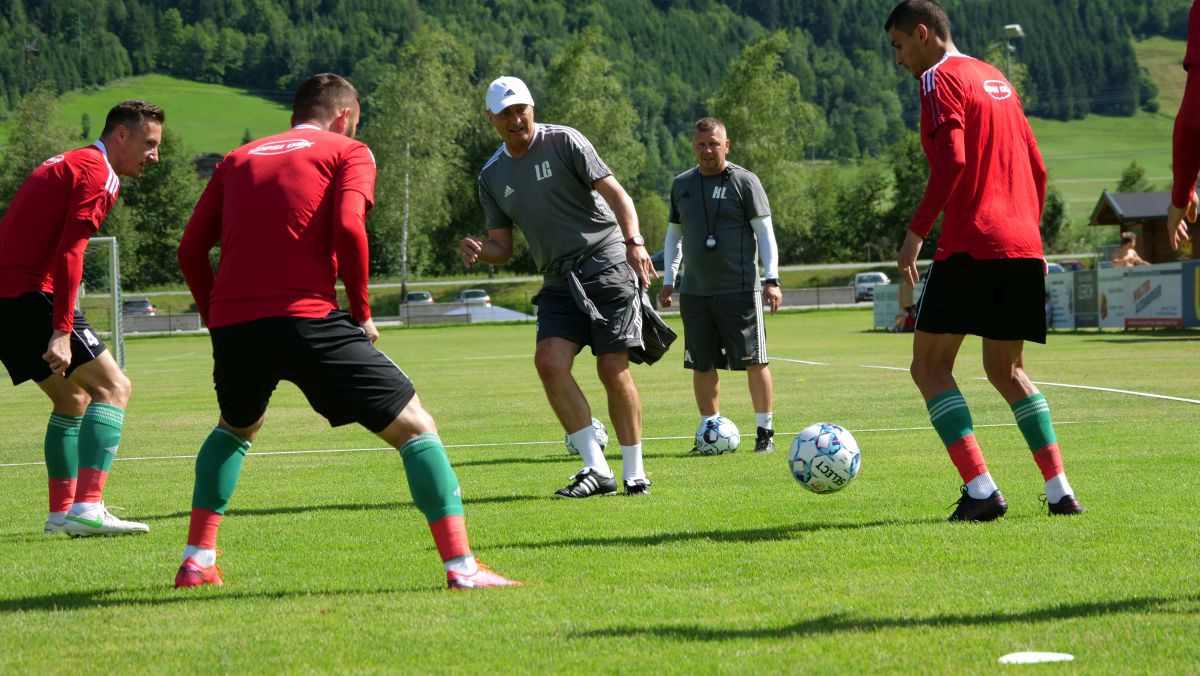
{"x":924,"y":372}
{"x":1003,"y":376}
{"x":73,"y":403}
{"x":115,"y":391}
{"x":612,"y":368}
{"x":551,"y":366}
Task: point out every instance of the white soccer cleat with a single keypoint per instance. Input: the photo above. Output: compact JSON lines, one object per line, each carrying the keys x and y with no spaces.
{"x":52,"y":528}
{"x":99,"y":521}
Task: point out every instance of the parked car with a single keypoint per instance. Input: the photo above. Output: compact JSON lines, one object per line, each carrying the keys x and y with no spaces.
{"x":419,"y":298}
{"x":138,"y":307}
{"x":864,"y":284}
{"x":1052,"y":268}
{"x":475,"y":297}
{"x":1073,"y":266}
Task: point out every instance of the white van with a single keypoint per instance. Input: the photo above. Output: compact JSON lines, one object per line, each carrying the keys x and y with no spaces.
{"x":864,"y":284}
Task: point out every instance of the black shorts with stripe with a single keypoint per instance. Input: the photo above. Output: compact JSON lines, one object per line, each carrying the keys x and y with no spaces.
{"x":27,"y":329}
{"x":615,"y":291}
{"x":330,"y":359}
{"x":1000,"y":299}
{"x":724,"y":331}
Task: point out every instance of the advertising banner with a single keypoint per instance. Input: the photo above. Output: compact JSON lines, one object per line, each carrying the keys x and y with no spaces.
{"x":1110,"y":282}
{"x":1155,"y":296}
{"x":1087,"y":304}
{"x":887,"y":303}
{"x":1191,"y":293}
{"x":1060,"y":292}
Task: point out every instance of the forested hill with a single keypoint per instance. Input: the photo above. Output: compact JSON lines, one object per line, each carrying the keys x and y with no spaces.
{"x":671,"y":55}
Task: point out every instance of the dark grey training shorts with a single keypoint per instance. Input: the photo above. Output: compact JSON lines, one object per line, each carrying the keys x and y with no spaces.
{"x":724,"y":331}
{"x":615,"y":293}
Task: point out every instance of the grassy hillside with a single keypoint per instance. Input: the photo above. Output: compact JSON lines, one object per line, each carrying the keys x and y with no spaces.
{"x":209,"y":117}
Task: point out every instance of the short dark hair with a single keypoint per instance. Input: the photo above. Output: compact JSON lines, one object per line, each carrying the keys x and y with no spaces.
{"x":1127,"y":237}
{"x":322,"y":96}
{"x":909,"y":13}
{"x":130,"y":114}
{"x":709,"y":124}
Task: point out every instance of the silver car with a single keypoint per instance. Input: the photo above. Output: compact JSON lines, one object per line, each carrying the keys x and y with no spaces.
{"x":864,"y":284}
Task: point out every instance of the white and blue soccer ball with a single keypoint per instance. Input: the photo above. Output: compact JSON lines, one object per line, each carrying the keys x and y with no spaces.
{"x":717,"y":435}
{"x":601,"y":436}
{"x":824,"y":458}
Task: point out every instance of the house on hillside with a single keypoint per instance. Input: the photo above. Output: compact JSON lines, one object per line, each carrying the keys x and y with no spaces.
{"x":1144,"y":214}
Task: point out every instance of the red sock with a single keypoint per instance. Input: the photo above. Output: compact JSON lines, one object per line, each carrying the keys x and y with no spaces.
{"x":202,"y":532}
{"x":1049,"y":461}
{"x":967,"y":457}
{"x":62,"y":494}
{"x":450,"y":535}
{"x":91,"y":484}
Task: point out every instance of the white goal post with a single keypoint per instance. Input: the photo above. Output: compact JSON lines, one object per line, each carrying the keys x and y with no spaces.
{"x":102,"y":282}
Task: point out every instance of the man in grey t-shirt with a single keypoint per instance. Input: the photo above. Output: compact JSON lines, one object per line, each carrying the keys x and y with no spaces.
{"x":583,"y":233}
{"x":720,"y":216}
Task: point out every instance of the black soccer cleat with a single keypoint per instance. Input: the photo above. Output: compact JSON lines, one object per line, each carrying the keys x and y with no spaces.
{"x":765,"y":442}
{"x":979,"y":509}
{"x":1065,"y":507}
{"x":587,"y":483}
{"x":637,"y":487}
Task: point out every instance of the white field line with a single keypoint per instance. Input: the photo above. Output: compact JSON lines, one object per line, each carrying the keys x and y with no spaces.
{"x":328,"y":451}
{"x":495,"y":356}
{"x":885,"y":368}
{"x":175,"y":356}
{"x":801,"y":361}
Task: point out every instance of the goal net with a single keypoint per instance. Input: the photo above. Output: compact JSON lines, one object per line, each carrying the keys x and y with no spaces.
{"x":100,"y":293}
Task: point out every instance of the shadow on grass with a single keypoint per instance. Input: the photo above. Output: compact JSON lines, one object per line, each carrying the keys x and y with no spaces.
{"x":837,"y":623}
{"x":738,"y":535}
{"x":345,"y":507}
{"x":166,"y":595}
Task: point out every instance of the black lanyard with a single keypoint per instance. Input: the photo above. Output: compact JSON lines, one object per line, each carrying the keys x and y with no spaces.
{"x":711,"y":230}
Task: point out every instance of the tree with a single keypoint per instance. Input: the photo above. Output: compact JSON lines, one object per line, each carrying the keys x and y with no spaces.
{"x":420,"y":111}
{"x":36,"y":136}
{"x":1133,"y":179}
{"x":584,"y":93}
{"x":1054,"y":217}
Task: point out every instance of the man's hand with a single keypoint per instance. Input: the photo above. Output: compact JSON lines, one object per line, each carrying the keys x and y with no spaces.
{"x":58,"y":352}
{"x":469,"y":249}
{"x":368,"y":328}
{"x":772,"y":297}
{"x":640,"y":261}
{"x":1177,"y":220}
{"x":664,"y":296}
{"x":907,"y":260}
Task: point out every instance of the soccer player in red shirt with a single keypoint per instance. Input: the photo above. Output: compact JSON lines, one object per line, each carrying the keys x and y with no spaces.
{"x":46,"y":338}
{"x":1185,"y":162}
{"x":289,"y":212}
{"x":988,"y":276}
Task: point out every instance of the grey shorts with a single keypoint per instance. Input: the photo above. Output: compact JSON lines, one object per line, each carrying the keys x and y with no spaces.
{"x":724,"y":331}
{"x":614,"y":291}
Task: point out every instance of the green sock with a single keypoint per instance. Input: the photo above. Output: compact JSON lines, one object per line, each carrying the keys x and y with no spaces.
{"x":217,"y":469}
{"x":950,"y":416}
{"x":62,"y":446}
{"x":100,"y":435}
{"x":431,"y":480}
{"x":1033,"y":418}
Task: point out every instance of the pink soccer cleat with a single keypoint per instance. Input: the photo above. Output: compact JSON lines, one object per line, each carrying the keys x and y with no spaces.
{"x":192,"y":574}
{"x":484,"y":577}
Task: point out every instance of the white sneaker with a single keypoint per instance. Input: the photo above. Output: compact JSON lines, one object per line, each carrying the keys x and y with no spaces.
{"x":99,"y":521}
{"x":52,"y":528}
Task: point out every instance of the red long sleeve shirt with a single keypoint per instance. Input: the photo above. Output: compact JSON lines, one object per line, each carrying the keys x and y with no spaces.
{"x":43,"y":234}
{"x":986,"y":172}
{"x":289,"y":212}
{"x":1185,"y":163}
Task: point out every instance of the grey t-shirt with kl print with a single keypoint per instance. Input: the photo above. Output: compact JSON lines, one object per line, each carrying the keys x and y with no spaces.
{"x":721,"y":206}
{"x":548,"y":194}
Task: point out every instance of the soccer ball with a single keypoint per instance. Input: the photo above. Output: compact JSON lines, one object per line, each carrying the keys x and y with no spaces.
{"x":824,"y":458}
{"x":717,"y":435}
{"x":601,"y":436}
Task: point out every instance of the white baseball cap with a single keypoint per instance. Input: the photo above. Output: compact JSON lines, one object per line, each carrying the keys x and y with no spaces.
{"x":506,"y":91}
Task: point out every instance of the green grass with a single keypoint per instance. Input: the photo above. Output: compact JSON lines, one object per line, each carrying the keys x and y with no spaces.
{"x":728,"y":567}
{"x":210,"y":118}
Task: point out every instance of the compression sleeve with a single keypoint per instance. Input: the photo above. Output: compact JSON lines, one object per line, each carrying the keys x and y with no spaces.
{"x":767,"y":251}
{"x":672,"y":253}
{"x":68,"y":271}
{"x":350,"y":246}
{"x":945,"y":167}
{"x":200,"y":235}
{"x":1186,"y":142}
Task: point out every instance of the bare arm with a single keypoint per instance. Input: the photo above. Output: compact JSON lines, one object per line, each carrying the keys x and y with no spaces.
{"x":496,"y":249}
{"x":621,"y":204}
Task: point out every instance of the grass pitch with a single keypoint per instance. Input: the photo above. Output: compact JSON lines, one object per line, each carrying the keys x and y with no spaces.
{"x":729,"y":566}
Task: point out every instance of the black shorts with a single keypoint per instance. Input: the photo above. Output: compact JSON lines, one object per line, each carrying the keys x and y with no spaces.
{"x":1000,"y":299}
{"x":724,"y":331}
{"x":26,"y":333}
{"x":343,"y":376}
{"x":616,"y":294}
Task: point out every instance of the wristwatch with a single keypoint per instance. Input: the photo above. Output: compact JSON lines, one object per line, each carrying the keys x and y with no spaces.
{"x":771,"y":280}
{"x":636,"y":240}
